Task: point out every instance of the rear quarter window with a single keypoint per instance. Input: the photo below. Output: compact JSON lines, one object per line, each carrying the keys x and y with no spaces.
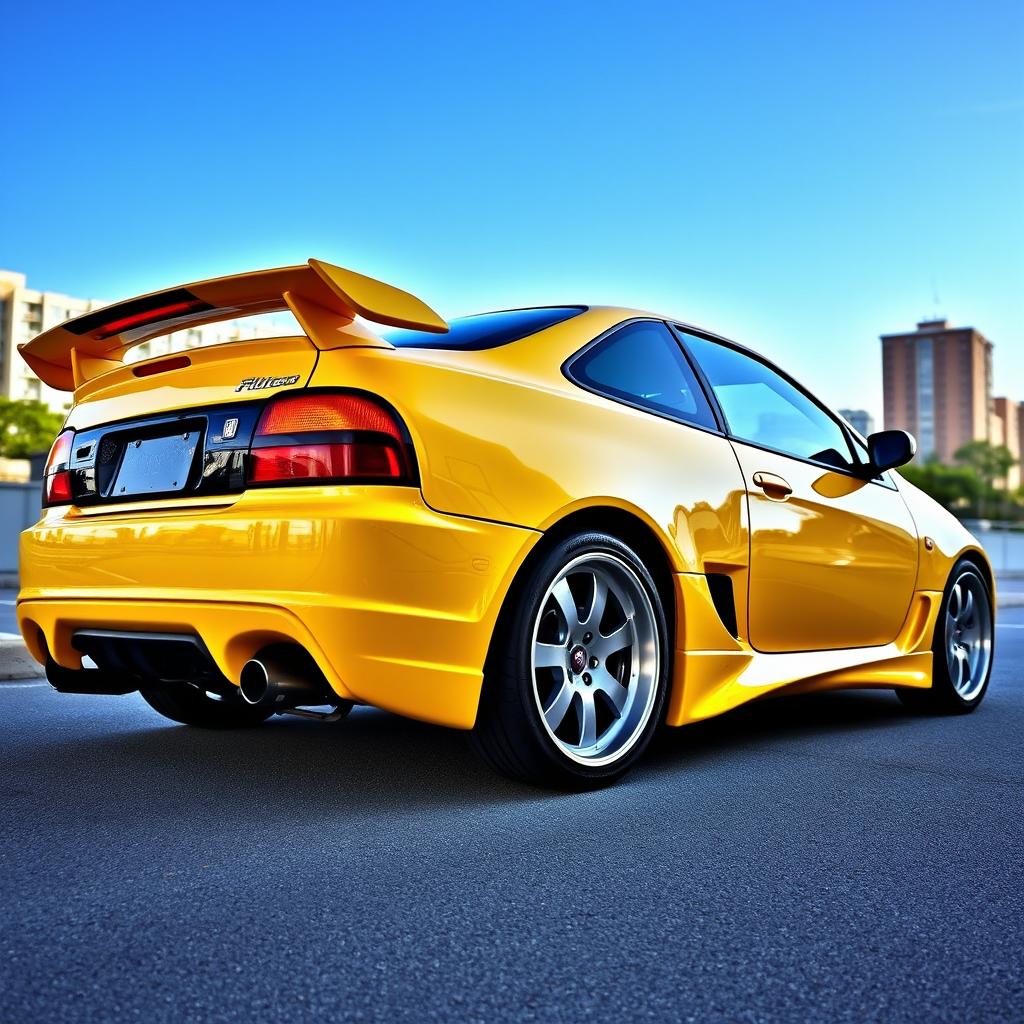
{"x":642,"y":364}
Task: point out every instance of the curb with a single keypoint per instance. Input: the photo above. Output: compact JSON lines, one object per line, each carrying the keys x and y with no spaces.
{"x":17,"y":663}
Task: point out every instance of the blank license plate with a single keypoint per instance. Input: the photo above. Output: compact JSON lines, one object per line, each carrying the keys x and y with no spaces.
{"x":157,"y":465}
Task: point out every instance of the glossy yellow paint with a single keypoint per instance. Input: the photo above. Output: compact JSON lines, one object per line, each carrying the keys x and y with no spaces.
{"x":834,"y":565}
{"x":396,"y":601}
{"x":377,"y":301}
{"x":942,"y":539}
{"x":714,"y":672}
{"x":68,"y":355}
{"x":529,"y":447}
{"x":211,"y":377}
{"x":396,"y":591}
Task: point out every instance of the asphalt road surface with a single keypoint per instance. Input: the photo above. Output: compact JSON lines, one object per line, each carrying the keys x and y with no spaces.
{"x":819,"y":858}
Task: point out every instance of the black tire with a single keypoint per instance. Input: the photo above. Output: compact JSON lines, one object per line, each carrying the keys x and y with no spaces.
{"x":509,"y":731}
{"x":943,"y":697}
{"x":191,"y":706}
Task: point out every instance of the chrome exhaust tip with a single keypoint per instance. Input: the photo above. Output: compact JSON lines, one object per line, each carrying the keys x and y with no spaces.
{"x":278,"y":683}
{"x":254,"y":682}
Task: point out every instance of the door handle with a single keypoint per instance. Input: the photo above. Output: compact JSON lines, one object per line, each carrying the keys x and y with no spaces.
{"x":774,"y":487}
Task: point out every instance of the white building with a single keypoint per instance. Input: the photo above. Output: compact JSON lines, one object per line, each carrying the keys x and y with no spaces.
{"x":25,"y":312}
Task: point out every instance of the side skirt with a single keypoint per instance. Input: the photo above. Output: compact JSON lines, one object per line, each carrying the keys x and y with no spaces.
{"x":714,"y":672}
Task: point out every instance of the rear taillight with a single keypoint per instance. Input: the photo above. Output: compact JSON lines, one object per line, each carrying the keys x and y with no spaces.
{"x":57,"y":478}
{"x":330,"y":437}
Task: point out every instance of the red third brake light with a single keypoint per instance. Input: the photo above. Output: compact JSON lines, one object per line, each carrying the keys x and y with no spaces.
{"x":328,"y":437}
{"x":152,"y":316}
{"x":57,"y":477}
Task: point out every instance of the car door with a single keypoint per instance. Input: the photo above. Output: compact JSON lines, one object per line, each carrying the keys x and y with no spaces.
{"x":833,"y":556}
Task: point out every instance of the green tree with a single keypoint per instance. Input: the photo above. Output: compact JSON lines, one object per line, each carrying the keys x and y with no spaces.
{"x":990,"y":463}
{"x":956,"y":488}
{"x":26,"y":427}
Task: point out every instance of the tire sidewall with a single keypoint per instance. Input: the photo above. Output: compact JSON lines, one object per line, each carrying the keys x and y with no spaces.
{"x":942,"y":683}
{"x":520,"y":633}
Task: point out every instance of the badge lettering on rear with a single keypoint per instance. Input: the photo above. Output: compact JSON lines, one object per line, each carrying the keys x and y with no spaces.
{"x":230,"y":428}
{"x":262,"y":383}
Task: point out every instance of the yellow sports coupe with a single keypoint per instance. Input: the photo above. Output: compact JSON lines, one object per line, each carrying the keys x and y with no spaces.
{"x":557,"y":527}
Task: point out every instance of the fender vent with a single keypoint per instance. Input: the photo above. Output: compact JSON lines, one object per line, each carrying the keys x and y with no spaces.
{"x":722,"y":597}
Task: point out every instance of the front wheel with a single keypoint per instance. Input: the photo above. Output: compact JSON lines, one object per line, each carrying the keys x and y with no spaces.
{"x":962,"y":648}
{"x":575,"y":684}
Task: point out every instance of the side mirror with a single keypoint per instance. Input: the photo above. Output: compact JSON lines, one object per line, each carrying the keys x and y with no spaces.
{"x":890,"y":448}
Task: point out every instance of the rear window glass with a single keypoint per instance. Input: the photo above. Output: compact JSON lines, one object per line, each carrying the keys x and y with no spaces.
{"x":486,"y":330}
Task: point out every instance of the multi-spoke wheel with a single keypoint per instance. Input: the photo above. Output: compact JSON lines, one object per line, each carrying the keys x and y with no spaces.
{"x":576,"y":680}
{"x":595,"y":664}
{"x":968,"y":626}
{"x":962,"y":651}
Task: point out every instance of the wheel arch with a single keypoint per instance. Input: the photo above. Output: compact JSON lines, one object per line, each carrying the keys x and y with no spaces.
{"x":977,"y":557}
{"x":980,"y":559}
{"x":628,"y":526}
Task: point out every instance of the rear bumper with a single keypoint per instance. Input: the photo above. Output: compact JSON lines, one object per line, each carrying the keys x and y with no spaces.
{"x":396,"y":602}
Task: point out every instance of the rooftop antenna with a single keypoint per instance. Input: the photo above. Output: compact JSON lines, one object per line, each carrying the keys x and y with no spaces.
{"x":936,"y":314}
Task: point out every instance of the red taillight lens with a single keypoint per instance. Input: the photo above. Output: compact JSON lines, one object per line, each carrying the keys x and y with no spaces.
{"x":57,"y":478}
{"x":58,"y":488}
{"x":324,"y":461}
{"x":337,"y":437}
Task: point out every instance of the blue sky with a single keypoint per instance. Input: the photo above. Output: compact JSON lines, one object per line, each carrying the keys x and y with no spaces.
{"x":799,"y":176}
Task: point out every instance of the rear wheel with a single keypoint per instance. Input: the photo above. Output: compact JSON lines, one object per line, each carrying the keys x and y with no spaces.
{"x":962,"y":648}
{"x":190,"y":705}
{"x":576,"y":681}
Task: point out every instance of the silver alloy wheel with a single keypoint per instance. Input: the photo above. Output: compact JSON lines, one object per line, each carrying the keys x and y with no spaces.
{"x":968,"y":634}
{"x":595,"y":659}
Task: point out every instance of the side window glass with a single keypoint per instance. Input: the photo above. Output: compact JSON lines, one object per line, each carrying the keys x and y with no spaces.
{"x":761,"y":406}
{"x":643,"y":364}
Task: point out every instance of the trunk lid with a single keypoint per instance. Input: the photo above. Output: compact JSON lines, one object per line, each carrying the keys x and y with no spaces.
{"x":197,"y":377}
{"x":179,"y":425}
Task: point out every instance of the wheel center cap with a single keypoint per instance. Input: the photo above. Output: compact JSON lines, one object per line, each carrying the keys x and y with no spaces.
{"x":578,"y":659}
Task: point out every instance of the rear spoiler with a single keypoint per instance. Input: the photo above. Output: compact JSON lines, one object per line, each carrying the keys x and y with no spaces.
{"x":325,"y":300}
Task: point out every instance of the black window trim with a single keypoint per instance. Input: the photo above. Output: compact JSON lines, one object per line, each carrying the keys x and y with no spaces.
{"x":680,"y":330}
{"x":716,"y":413}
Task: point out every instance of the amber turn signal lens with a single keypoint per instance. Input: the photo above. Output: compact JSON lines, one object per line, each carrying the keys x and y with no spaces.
{"x":303,"y":414}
